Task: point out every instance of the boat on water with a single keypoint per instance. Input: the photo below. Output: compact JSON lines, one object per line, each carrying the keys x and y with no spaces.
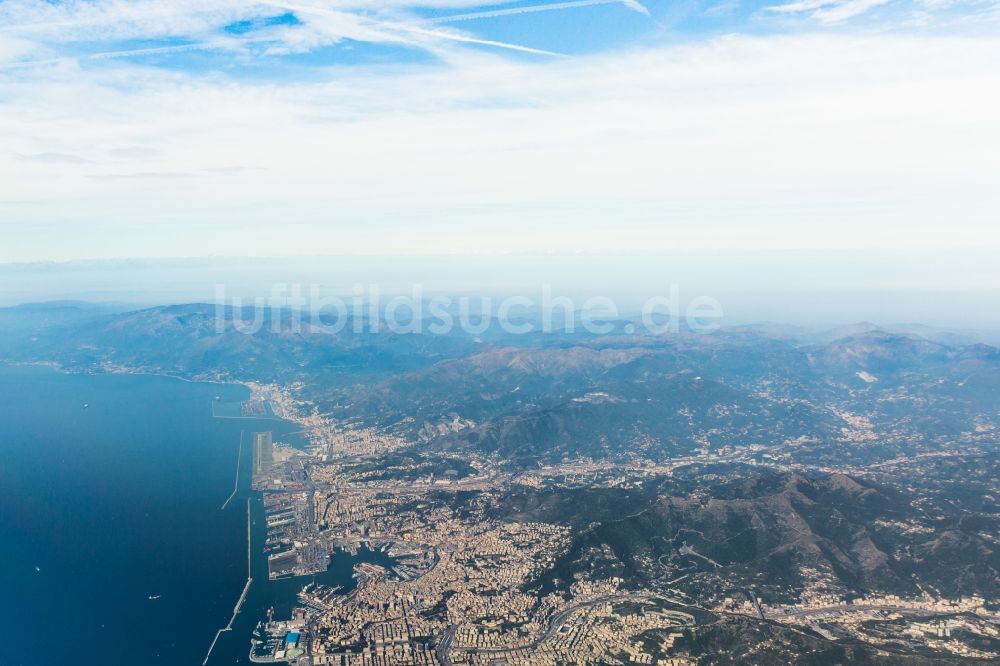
{"x":153,"y":597}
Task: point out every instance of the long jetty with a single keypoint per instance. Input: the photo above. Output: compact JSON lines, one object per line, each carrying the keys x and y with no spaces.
{"x":243,"y":595}
{"x":236,"y":485}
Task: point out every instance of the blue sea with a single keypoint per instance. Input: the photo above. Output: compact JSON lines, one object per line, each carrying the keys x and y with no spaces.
{"x":106,"y":505}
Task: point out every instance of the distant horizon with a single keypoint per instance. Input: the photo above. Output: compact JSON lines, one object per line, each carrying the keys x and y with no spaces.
{"x":955,"y":291}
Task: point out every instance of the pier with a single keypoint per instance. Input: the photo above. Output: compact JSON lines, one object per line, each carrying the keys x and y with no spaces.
{"x":246,"y":588}
{"x":236,"y":485}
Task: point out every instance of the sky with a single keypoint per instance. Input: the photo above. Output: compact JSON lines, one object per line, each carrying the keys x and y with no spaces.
{"x":146,"y":129}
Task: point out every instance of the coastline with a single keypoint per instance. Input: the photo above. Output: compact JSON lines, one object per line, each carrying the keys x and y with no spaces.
{"x":290,"y":419}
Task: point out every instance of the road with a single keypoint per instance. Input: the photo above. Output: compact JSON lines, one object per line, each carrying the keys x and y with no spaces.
{"x":444,"y":647}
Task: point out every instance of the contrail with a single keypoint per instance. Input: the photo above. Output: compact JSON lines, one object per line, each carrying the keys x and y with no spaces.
{"x":406,"y":27}
{"x":401,"y":27}
{"x":128,"y":53}
{"x":178,"y":48}
{"x":553,"y":6}
{"x":636,"y":6}
{"x":470,"y":40}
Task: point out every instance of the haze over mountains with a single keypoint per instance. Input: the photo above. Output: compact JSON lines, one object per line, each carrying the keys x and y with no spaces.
{"x":540,"y":397}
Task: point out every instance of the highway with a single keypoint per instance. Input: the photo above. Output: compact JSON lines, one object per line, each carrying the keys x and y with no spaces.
{"x":444,"y":646}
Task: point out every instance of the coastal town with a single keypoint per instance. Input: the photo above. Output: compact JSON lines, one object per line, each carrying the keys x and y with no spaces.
{"x":458,"y":583}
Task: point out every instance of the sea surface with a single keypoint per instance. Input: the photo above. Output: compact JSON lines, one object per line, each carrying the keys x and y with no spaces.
{"x":114,"y":548}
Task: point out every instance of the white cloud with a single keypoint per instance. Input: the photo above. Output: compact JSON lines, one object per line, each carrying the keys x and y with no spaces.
{"x":845,"y":10}
{"x":51,"y":158}
{"x":809,"y":141}
{"x":942,"y":15}
{"x":802,"y":6}
{"x":531,"y":9}
{"x":830,"y":11}
{"x":815,"y":141}
{"x":116,"y":19}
